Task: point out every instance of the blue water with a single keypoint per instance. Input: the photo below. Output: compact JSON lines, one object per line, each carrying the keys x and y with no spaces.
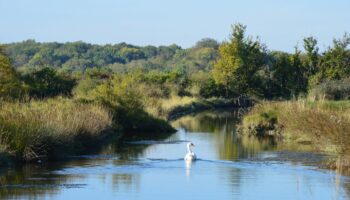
{"x":227,"y":168}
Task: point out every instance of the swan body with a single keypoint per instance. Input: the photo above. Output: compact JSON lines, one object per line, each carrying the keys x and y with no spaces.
{"x":190,"y":156}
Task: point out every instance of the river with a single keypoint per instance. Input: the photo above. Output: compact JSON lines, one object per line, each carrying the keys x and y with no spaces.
{"x":228,"y":167}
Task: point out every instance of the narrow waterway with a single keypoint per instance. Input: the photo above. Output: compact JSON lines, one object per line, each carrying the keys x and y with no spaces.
{"x":228,"y":167}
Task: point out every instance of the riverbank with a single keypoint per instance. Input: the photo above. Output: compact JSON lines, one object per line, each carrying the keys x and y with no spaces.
{"x":55,"y":128}
{"x":51,"y":129}
{"x":322,"y":125}
{"x":175,"y":107}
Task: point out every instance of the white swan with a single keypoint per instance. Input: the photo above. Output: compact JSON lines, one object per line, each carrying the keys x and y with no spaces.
{"x":190,"y":156}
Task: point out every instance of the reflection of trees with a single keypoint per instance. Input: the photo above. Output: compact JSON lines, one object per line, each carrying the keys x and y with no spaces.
{"x":32,"y":181}
{"x":222,"y":125}
{"x":120,"y":181}
{"x":20,"y":182}
{"x":209,"y":121}
{"x":126,"y":150}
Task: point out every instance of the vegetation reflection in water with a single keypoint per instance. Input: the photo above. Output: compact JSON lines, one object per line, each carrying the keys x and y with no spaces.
{"x":221,"y":125}
{"x":228,"y":166}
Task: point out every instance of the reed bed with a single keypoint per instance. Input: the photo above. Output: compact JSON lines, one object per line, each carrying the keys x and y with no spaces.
{"x":45,"y":129}
{"x":323,"y":124}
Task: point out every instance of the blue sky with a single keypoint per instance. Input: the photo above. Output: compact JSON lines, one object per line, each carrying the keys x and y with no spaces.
{"x":280,"y":24}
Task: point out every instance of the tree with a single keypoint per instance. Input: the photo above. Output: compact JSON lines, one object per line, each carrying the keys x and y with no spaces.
{"x":46,"y":82}
{"x":281,"y":75}
{"x":299,"y":80}
{"x":310,"y":46}
{"x":10,"y":86}
{"x":239,"y":60}
{"x":130,"y":54}
{"x":207,"y":43}
{"x":335,"y":62}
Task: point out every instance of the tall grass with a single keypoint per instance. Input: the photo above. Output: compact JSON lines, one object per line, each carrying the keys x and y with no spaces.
{"x":44,"y":129}
{"x":324,"y":124}
{"x":162,"y":107}
{"x":174,"y":106}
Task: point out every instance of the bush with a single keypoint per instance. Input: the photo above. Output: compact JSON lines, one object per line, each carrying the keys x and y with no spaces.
{"x":125,"y":97}
{"x":261,"y":123}
{"x":138,"y":121}
{"x":332,"y":90}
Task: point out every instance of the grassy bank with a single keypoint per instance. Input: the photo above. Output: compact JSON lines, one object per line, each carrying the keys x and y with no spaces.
{"x":323,"y":125}
{"x":51,"y":128}
{"x":55,"y":128}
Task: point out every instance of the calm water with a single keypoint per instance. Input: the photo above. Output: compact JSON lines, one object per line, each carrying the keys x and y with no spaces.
{"x":228,"y":168}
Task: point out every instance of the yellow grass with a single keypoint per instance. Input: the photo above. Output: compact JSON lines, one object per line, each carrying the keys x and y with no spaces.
{"x":324,"y":124}
{"x":161,"y":107}
{"x":35,"y":128}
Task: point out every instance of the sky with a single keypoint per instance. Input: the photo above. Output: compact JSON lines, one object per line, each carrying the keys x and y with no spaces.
{"x":280,"y":24}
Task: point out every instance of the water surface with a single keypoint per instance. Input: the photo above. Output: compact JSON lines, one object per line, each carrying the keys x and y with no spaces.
{"x":228,"y":168}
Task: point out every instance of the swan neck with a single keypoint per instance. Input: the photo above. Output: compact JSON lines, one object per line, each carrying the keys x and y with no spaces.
{"x":189,"y":149}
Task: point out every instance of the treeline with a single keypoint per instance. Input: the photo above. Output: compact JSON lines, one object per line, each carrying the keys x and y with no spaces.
{"x":241,"y":65}
{"x":51,"y":69}
{"x":79,"y":56}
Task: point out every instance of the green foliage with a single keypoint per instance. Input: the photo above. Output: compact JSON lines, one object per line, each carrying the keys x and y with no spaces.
{"x":46,"y":82}
{"x":131,"y":54}
{"x":126,"y":91}
{"x":207,"y":43}
{"x":80,"y":56}
{"x":84,"y":87}
{"x":126,"y":95}
{"x":261,"y":124}
{"x":10,"y":86}
{"x":206,"y":87}
{"x":310,"y":46}
{"x":137,"y":120}
{"x":282,"y":75}
{"x":239,"y":66}
{"x":240,"y":59}
{"x":335,"y":62}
